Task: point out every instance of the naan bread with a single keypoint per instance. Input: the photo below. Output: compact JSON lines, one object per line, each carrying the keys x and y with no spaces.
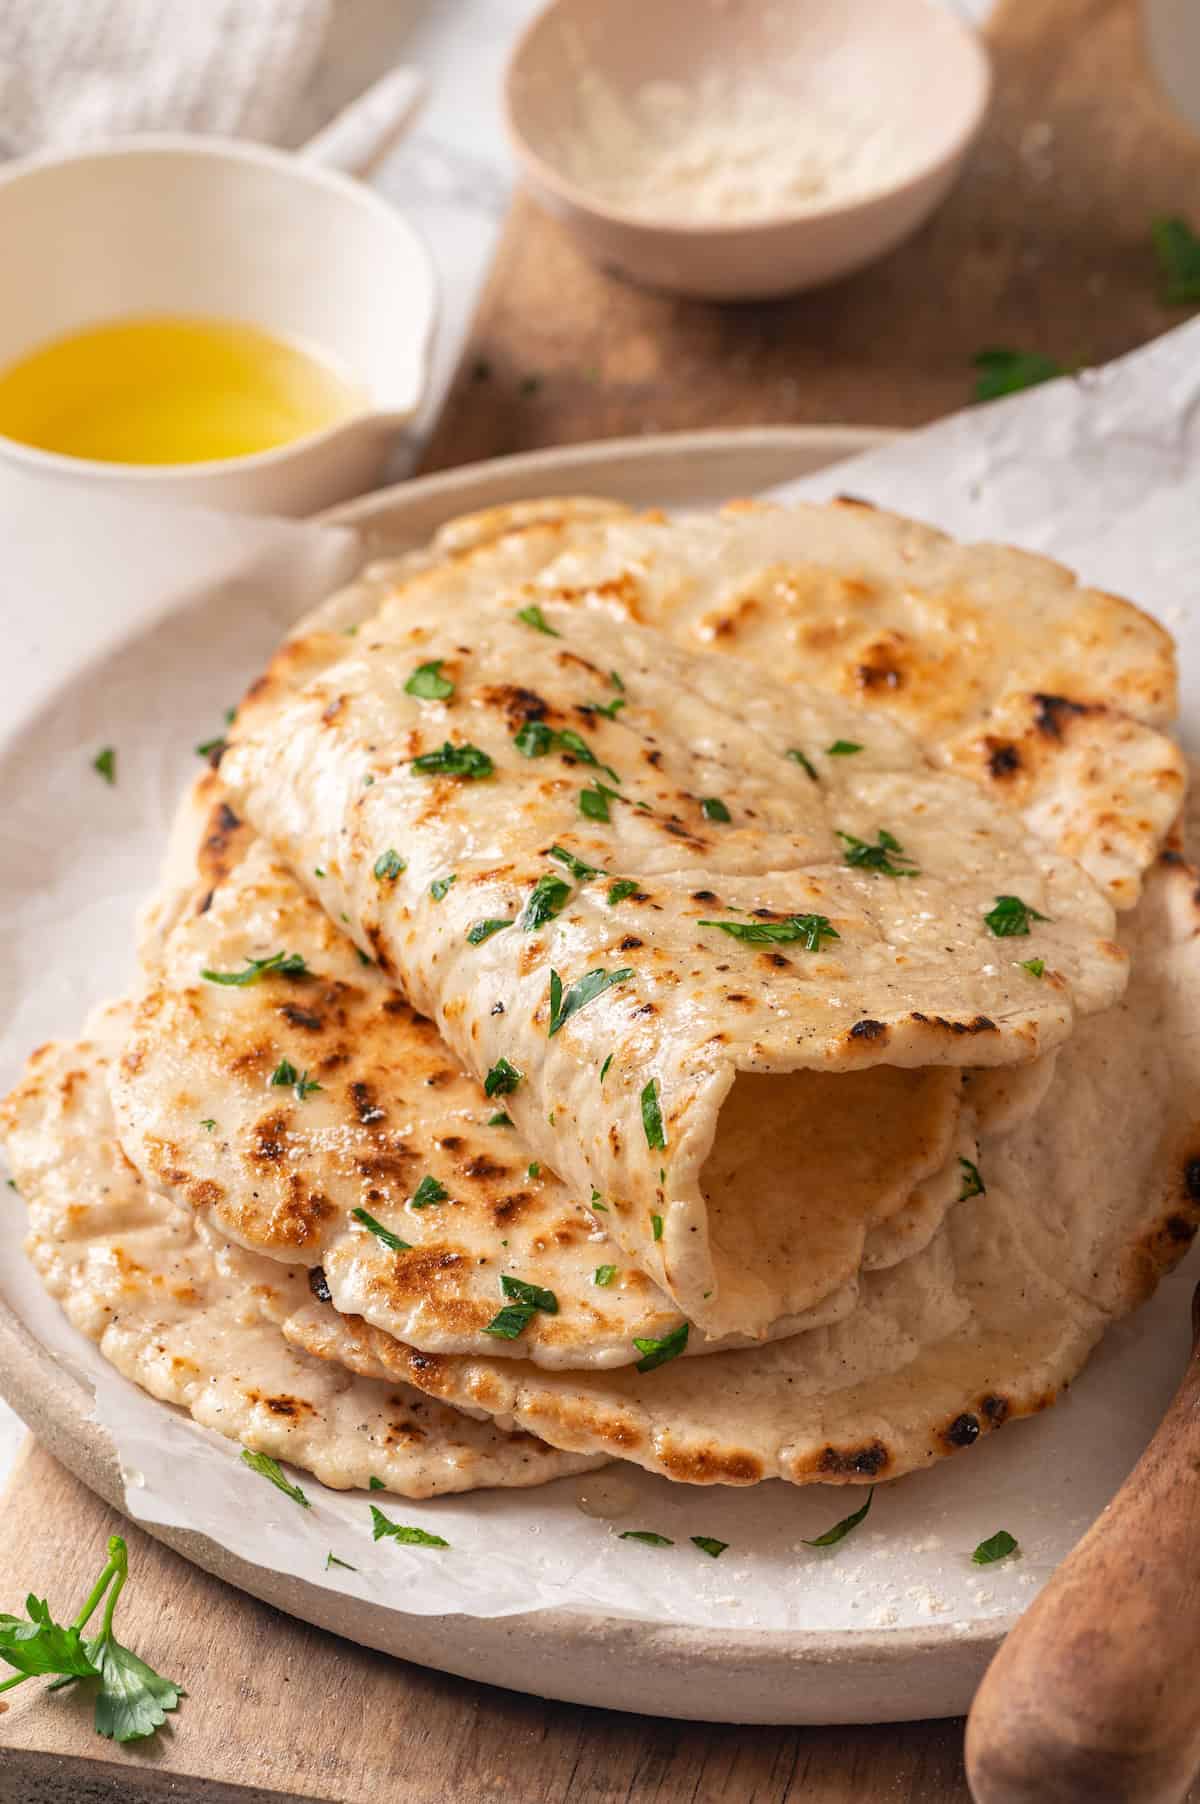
{"x":283,"y":1175}
{"x":1008,"y":671}
{"x":708,"y":1021}
{"x":1087,"y":1205}
{"x":132,"y":1274}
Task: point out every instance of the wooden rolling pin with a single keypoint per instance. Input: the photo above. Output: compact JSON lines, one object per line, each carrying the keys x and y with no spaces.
{"x":1095,"y":1696}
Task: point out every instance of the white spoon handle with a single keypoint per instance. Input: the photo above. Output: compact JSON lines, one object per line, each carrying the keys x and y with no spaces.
{"x":363,"y":132}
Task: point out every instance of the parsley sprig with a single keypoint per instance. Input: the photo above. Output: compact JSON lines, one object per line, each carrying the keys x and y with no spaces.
{"x":132,"y":1700}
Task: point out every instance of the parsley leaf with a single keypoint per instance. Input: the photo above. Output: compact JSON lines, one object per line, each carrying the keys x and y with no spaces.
{"x":706,"y":1543}
{"x":797,"y":757}
{"x":714,"y":809}
{"x":658,"y":1352}
{"x":105,"y":764}
{"x":331,"y":1559}
{"x":381,"y":1525}
{"x":267,"y":1467}
{"x":533,"y":1169}
{"x":133,"y":1700}
{"x":617,"y":892}
{"x":1034,"y":966}
{"x":533,"y":616}
{"x":210,"y":747}
{"x":996,"y":1547}
{"x":41,"y":1645}
{"x":578,"y":869}
{"x":548,"y":898}
{"x":440,"y":888}
{"x":656,"y":1226}
{"x":501,"y":1119}
{"x":389,"y":865}
{"x":428,"y":1192}
{"x":842,"y":748}
{"x":615,"y":679}
{"x":646,"y":1535}
{"x":593,"y":802}
{"x":532,"y":1295}
{"x":652,"y":1118}
{"x":879,"y":857}
{"x":841,"y":1529}
{"x":511,"y":1322}
{"x":1178,"y":251}
{"x":609,"y":709}
{"x":502,"y":1079}
{"x":427,"y":682}
{"x":375,"y":1484}
{"x":565,"y":1003}
{"x":285,"y":1075}
{"x":390,"y":1240}
{"x":604,"y":1068}
{"x":972,"y":1183}
{"x":1004,"y":372}
{"x":604,"y":1275}
{"x":1011,"y":917}
{"x":810,"y":930}
{"x":465,"y":761}
{"x":483,"y":930}
{"x":280,"y":964}
{"x":208,"y":1124}
{"x":534,"y":740}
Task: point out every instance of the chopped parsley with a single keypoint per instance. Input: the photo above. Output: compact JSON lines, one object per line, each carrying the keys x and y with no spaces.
{"x":534,"y":740}
{"x":533,"y":616}
{"x":318,"y":871}
{"x":208,"y":1124}
{"x":1010,"y":918}
{"x":105,"y":763}
{"x":594,"y":801}
{"x":809,"y":930}
{"x":610,"y":710}
{"x":392,"y":1241}
{"x":269,"y":1468}
{"x":529,"y":385}
{"x":996,"y":1547}
{"x":427,"y":682}
{"x":1178,"y":251}
{"x":533,"y":1169}
{"x":707,"y":1544}
{"x":524,"y":1302}
{"x":389,"y":865}
{"x":548,"y":898}
{"x":428,"y":1192}
{"x":604,"y":1275}
{"x":382,"y":1526}
{"x":656,"y":1226}
{"x":1005,"y":372}
{"x":714,"y":809}
{"x":285,"y":1076}
{"x":465,"y":761}
{"x":1034,"y":966}
{"x":501,"y":1119}
{"x":280,"y":964}
{"x":972,"y":1183}
{"x":658,"y":1352}
{"x":331,"y":1559}
{"x":375,"y":1484}
{"x":841,"y":1529}
{"x":502,"y":1079}
{"x":646,"y":1536}
{"x":596,"y":1203}
{"x":132,"y":1700}
{"x":565,"y":1003}
{"x":617,"y":892}
{"x":652,"y":1121}
{"x":577,"y":867}
{"x":842,"y":748}
{"x":615,"y":679}
{"x":210,"y":747}
{"x":483,"y":930}
{"x":887,"y":855}
{"x":797,"y":757}
{"x":440,"y":888}
{"x":604,"y":1068}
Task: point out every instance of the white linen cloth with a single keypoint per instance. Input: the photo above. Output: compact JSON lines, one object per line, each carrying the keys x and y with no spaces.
{"x":73,"y":71}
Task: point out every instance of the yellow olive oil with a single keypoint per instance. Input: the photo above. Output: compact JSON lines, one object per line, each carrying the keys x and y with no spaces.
{"x":162,"y":389}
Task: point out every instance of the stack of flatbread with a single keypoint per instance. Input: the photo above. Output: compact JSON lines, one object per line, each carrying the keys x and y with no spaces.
{"x":718,"y":993}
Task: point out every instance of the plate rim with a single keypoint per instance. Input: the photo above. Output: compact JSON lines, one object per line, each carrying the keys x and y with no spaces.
{"x":895,"y":1664}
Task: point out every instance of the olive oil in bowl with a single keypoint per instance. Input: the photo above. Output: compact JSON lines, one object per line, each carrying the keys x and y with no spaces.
{"x":168,"y":389}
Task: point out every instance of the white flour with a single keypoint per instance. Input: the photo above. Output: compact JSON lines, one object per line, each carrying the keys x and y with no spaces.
{"x":720,"y":149}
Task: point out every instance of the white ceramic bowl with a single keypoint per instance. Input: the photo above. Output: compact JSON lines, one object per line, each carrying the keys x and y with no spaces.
{"x":908,"y":63}
{"x":191,"y":225}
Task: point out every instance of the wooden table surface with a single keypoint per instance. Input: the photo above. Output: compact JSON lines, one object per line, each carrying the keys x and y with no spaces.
{"x":1044,"y":246}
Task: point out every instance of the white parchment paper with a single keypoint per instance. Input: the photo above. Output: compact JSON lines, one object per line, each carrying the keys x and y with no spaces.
{"x":136,"y":627}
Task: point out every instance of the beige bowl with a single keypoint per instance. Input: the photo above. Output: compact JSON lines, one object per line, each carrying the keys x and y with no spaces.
{"x":598,"y":91}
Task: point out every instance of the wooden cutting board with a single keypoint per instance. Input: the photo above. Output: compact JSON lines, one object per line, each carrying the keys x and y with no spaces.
{"x":1043,"y":246}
